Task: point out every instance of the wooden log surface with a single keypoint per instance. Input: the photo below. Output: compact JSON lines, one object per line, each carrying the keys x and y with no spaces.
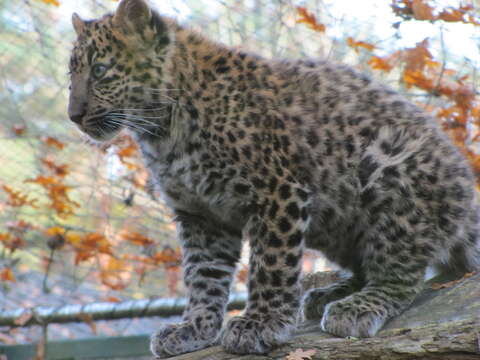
{"x":443,"y":323}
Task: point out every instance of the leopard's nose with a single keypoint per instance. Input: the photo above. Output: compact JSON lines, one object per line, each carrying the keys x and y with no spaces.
{"x":77,"y":118}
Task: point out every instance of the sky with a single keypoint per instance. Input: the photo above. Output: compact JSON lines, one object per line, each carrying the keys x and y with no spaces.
{"x":462,"y":40}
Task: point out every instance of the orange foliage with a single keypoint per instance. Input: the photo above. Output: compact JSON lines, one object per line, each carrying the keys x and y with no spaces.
{"x":242,"y":274}
{"x":58,"y":170}
{"x":417,"y":58}
{"x":136,"y":238}
{"x":168,"y":257}
{"x":53,"y":142}
{"x":115,"y":273}
{"x":305,"y":17}
{"x":11,"y":242}
{"x":379,"y":63}
{"x":421,"y":10}
{"x":19,"y":226}
{"x":127,"y":152}
{"x":359,"y":44}
{"x":113,"y":299}
{"x":418,"y":79}
{"x":89,"y":245}
{"x":6,"y":274}
{"x":14,"y":238}
{"x":19,"y":130}
{"x":50,"y":2}
{"x":58,"y":194}
{"x":17,"y":199}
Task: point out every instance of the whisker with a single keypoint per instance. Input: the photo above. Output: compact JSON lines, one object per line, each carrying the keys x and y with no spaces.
{"x":140,"y":119}
{"x":146,"y":109}
{"x":129,"y":124}
{"x":160,"y":90}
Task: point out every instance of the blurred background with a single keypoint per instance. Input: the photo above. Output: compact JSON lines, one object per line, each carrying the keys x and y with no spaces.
{"x":79,"y":223}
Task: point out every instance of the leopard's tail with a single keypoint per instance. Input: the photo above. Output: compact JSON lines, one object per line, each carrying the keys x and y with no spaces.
{"x":465,"y":254}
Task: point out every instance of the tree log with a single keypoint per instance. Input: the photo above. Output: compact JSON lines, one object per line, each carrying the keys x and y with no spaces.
{"x":443,"y":323}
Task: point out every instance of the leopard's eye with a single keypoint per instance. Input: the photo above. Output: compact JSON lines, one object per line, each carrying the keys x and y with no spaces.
{"x":98,"y":70}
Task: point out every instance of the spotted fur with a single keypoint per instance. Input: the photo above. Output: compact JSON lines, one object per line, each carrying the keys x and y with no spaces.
{"x":285,"y":154}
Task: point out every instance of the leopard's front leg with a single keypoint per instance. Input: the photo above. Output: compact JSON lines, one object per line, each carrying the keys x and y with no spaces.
{"x":276,"y":235}
{"x":210,"y":254}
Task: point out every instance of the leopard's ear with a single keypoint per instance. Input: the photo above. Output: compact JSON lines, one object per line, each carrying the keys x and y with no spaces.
{"x":132,"y":16}
{"x":78,"y":24}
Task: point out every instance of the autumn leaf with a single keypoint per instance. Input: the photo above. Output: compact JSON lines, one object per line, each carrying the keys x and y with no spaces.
{"x":19,"y":226}
{"x":11,"y":242}
{"x":305,"y":17}
{"x":58,"y":170}
{"x":416,"y":58}
{"x":300,"y":354}
{"x":446,"y":112}
{"x":422,"y":11}
{"x":17,"y":199}
{"x":6,"y":274}
{"x":359,"y":44}
{"x":136,"y":238}
{"x":167,"y":256}
{"x":113,"y":299}
{"x":56,"y":230}
{"x":403,"y":8}
{"x":19,"y":130}
{"x":58,"y":194}
{"x":115,"y":273}
{"x":242,"y":274}
{"x":379,"y":63}
{"x":127,"y":152}
{"x":88,"y":246}
{"x":50,"y":141}
{"x":418,"y":79}
{"x":50,"y":2}
{"x":44,"y":181}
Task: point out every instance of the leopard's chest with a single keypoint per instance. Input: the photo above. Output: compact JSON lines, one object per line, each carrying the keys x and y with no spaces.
{"x":198,"y":194}
{"x":186,"y":186}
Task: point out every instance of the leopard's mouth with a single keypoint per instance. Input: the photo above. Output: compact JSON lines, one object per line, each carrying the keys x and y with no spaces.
{"x":101,"y":128}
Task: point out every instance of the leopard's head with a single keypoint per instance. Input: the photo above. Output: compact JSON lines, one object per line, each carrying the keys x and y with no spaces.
{"x":116,"y":69}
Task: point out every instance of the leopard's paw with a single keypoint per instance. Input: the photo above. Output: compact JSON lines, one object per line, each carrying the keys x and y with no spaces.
{"x":175,"y":339}
{"x":313,"y":304}
{"x":348,"y":317}
{"x":315,"y":300}
{"x":244,"y":335}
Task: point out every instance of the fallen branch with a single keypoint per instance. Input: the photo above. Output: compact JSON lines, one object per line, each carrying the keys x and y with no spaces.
{"x":102,"y":311}
{"x":127,"y":309}
{"x":442,"y":324}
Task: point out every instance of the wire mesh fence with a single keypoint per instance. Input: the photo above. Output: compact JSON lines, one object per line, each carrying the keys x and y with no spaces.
{"x":61,"y":198}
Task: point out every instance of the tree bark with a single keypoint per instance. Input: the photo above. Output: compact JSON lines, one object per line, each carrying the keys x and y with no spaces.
{"x":443,"y":323}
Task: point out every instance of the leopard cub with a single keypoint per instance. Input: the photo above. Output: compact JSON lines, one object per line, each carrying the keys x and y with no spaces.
{"x":286,"y":155}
